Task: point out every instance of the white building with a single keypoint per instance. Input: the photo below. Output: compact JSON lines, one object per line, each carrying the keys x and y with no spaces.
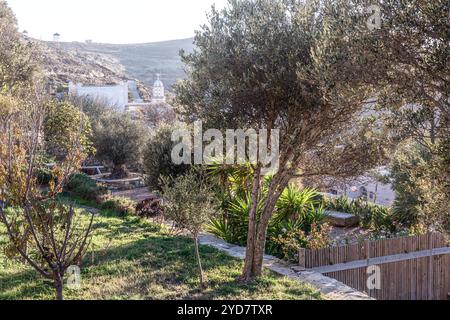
{"x":158,"y":95}
{"x":367,"y":188}
{"x":115,"y":96}
{"x":56,"y":37}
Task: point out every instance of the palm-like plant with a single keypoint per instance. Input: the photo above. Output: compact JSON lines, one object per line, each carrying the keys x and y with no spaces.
{"x":221,"y":228}
{"x":297,"y":204}
{"x":296,"y":210}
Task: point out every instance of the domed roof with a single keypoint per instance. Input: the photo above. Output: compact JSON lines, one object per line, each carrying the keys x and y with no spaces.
{"x":158,"y":83}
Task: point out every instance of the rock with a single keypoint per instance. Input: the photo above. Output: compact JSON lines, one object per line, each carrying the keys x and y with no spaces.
{"x":339,"y":219}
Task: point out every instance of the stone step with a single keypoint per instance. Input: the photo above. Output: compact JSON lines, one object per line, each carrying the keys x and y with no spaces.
{"x":340,"y":219}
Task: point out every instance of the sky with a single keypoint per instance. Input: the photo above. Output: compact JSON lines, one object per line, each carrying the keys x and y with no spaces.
{"x":112,"y":21}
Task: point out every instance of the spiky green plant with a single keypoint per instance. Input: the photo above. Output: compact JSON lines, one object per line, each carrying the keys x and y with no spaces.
{"x":296,"y":204}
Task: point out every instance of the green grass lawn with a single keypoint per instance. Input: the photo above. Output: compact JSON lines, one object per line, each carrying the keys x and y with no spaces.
{"x":135,"y":259}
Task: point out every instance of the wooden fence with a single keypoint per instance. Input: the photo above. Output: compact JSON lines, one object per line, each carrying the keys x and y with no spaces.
{"x":411,"y":268}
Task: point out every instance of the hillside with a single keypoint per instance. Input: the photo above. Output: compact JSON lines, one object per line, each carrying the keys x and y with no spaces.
{"x":139,"y":61}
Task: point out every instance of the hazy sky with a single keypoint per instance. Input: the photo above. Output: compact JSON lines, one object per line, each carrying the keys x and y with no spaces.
{"x":112,"y":21}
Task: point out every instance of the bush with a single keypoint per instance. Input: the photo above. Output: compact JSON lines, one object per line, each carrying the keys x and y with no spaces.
{"x":43,"y":172}
{"x":150,"y":208}
{"x":82,"y":186}
{"x":285,"y":240}
{"x":299,"y":205}
{"x":232,"y":226}
{"x":158,"y":157}
{"x":121,"y":206}
{"x":119,"y":140}
{"x":64,"y":126}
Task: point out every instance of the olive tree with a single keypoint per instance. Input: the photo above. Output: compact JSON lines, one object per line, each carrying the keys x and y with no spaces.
{"x":119,"y":140}
{"x":188,"y":201}
{"x":157,"y":156}
{"x":283,"y":65}
{"x":409,"y":51}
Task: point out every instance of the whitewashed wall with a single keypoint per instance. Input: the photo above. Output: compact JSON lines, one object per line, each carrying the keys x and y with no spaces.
{"x":115,"y":96}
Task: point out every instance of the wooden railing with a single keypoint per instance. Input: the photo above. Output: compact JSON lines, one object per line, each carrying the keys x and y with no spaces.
{"x":411,"y":268}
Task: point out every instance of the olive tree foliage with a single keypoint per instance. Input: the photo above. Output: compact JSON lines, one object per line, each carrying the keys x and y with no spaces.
{"x":189,"y":202}
{"x":284,"y":65}
{"x":420,"y":169}
{"x":42,"y":232}
{"x":411,"y":50}
{"x":119,"y":140}
{"x":158,"y":156}
{"x":421,"y":181}
{"x":159,"y":115}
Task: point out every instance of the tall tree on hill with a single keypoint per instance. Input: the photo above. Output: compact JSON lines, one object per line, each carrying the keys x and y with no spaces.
{"x":284,"y":65}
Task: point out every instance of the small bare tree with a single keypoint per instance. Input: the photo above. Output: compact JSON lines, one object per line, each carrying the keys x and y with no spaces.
{"x":43,"y":232}
{"x":188,"y":202}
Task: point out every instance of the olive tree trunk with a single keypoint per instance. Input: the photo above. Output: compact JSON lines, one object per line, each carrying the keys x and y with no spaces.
{"x":256,"y":243}
{"x":199,"y":262}
{"x":252,"y":227}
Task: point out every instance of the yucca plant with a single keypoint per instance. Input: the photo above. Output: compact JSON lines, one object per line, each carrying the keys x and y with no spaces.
{"x":234,"y":179}
{"x":315,"y":215}
{"x":238,"y":215}
{"x":296,"y":210}
{"x":296,"y":204}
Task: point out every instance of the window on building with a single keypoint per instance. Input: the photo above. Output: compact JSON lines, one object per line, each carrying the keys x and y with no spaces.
{"x":363,"y":193}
